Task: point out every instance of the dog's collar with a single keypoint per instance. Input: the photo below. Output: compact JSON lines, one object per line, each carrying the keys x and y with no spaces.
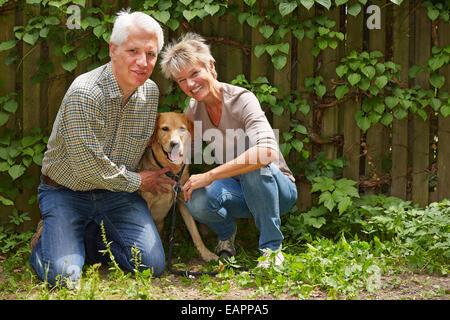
{"x":171,"y":175}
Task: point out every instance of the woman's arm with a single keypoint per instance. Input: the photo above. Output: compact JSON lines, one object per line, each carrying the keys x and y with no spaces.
{"x":252,"y":159}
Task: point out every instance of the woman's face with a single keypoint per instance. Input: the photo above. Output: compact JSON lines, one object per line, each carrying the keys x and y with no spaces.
{"x":196,"y":80}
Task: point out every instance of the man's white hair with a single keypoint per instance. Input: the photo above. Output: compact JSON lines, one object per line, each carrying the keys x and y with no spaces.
{"x":125,"y":19}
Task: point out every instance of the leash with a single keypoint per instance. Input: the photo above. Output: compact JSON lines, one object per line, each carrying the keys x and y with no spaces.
{"x":187,"y":273}
{"x":177,"y":188}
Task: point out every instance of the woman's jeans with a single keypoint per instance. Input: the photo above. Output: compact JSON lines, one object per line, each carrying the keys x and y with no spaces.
{"x":72,"y":229}
{"x":264,"y":194}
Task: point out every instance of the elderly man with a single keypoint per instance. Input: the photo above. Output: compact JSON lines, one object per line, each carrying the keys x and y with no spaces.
{"x":88,"y":172}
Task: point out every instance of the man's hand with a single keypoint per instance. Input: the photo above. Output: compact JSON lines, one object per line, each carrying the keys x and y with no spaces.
{"x":151,"y":181}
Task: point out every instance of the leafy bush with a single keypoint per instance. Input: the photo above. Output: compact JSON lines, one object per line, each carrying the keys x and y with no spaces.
{"x":421,"y":236}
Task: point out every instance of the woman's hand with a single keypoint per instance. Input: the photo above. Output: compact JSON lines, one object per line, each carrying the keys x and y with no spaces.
{"x":196,"y":181}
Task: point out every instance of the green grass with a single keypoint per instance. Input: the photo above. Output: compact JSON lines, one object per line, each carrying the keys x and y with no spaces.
{"x":388,"y":237}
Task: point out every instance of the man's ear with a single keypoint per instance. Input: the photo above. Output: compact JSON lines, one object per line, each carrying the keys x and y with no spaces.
{"x":112,"y":49}
{"x":155,"y":131}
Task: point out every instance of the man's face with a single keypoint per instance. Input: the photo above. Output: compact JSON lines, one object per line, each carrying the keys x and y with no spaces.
{"x":133,"y":61}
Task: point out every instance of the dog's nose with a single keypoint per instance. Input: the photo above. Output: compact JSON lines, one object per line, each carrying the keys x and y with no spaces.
{"x":173,"y":144}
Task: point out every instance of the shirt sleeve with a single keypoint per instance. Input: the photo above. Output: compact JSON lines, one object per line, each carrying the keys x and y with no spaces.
{"x":80,"y":128}
{"x":256,"y":125}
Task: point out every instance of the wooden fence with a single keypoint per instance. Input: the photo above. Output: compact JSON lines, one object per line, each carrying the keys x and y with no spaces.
{"x":419,"y":150}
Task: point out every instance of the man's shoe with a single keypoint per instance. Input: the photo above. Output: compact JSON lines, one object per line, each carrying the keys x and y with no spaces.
{"x":270,"y":257}
{"x":225,"y":248}
{"x":37,"y":235}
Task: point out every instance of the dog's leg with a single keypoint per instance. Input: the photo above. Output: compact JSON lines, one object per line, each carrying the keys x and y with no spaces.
{"x":192,"y":228}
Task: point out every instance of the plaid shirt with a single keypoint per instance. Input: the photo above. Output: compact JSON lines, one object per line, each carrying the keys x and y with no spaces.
{"x":95,"y":143}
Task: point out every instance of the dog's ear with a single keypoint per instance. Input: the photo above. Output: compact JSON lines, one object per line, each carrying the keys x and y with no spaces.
{"x":190,"y":126}
{"x":155,"y":131}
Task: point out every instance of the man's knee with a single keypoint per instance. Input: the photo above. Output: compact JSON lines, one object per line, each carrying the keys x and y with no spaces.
{"x":64,"y":271}
{"x":154,"y":260}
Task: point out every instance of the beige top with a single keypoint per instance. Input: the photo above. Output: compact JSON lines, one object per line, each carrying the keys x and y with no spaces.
{"x":242,"y":125}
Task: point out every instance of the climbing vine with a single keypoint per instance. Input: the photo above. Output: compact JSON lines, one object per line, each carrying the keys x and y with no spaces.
{"x":365,"y":76}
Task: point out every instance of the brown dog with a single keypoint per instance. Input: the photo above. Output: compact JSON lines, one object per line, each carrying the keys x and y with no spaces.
{"x":167,"y":148}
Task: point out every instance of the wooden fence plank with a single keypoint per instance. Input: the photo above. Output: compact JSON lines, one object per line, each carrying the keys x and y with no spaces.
{"x":352,"y":133}
{"x":421,"y":128}
{"x":330,"y":59}
{"x":401,"y":35}
{"x":443,"y":160}
{"x":305,"y":68}
{"x":377,"y":136}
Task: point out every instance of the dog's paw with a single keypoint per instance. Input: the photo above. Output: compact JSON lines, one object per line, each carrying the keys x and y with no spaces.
{"x":208,"y":256}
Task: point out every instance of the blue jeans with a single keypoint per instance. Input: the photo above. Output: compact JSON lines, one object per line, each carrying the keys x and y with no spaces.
{"x":72,"y":229}
{"x":264,"y":194}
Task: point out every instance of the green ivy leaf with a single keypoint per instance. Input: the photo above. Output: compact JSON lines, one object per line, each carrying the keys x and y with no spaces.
{"x":162,"y":16}
{"x":320,"y":90}
{"x":300,"y":129}
{"x":433,"y":13}
{"x":391,"y":102}
{"x":10,"y":106}
{"x":7,"y":45}
{"x":4,"y":117}
{"x":212,"y":9}
{"x":52,"y":20}
{"x":253,"y":20}
{"x":368,"y":71}
{"x":173,"y":24}
{"x":16,"y":171}
{"x":266,"y":31}
{"x":362,"y":122}
{"x":299,"y":33}
{"x":259,"y":50}
{"x":341,"y":70}
{"x":435,"y":103}
{"x":386,"y":119}
{"x":69,"y":64}
{"x":437,"y":80}
{"x":445,"y":110}
{"x":325,"y":3}
{"x":6,"y":201}
{"x":185,"y":2}
{"x":297,"y":144}
{"x":307,"y":3}
{"x":189,"y":15}
{"x":279,"y":61}
{"x":354,"y":9}
{"x":400,"y":113}
{"x":381,"y":81}
{"x":286,"y":8}
{"x":354,"y":78}
{"x":31,"y":38}
{"x":341,"y":91}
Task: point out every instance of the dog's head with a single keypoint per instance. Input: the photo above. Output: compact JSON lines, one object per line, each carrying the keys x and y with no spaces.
{"x":171,"y":137}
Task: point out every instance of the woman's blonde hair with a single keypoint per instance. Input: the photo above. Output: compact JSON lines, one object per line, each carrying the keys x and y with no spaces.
{"x":189,"y":49}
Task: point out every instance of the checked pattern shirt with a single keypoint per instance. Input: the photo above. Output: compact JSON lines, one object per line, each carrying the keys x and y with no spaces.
{"x":95,"y":142}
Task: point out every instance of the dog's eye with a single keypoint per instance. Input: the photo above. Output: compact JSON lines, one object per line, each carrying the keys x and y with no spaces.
{"x":165,"y":128}
{"x":182,"y":129}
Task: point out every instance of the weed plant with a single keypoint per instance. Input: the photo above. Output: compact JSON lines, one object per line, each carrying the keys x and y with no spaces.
{"x":340,"y":248}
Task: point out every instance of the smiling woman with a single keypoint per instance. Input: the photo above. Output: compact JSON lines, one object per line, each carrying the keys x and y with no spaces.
{"x":240,"y":187}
